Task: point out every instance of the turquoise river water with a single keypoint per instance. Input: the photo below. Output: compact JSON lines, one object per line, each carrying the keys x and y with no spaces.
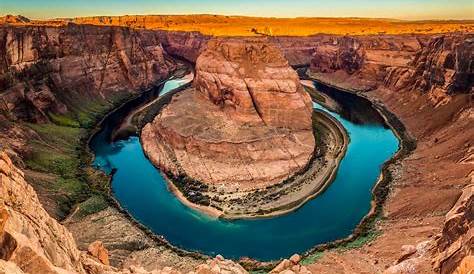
{"x":142,"y":191}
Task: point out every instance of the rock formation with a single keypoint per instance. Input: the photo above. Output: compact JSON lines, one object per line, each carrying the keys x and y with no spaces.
{"x":456,"y":243}
{"x":184,"y":45}
{"x":14,"y":19}
{"x":30,"y":238}
{"x":418,"y":77}
{"x":46,"y":69}
{"x":98,"y":251}
{"x":441,"y":68}
{"x":439,"y":65}
{"x":361,"y":63}
{"x":246,"y":124}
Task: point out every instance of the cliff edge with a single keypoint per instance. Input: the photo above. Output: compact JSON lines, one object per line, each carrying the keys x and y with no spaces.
{"x":245,"y":125}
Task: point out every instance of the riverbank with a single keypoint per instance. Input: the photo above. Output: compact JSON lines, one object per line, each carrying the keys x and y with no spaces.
{"x":126,"y":237}
{"x":168,"y":97}
{"x":366,"y":230}
{"x":132,"y":123}
{"x":280,"y":198}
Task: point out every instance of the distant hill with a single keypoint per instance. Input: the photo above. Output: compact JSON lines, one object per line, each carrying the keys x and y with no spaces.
{"x":220,"y":25}
{"x":14,"y":19}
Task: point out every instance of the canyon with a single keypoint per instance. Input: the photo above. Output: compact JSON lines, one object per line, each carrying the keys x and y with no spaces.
{"x":49,"y":75}
{"x":247,"y":98}
{"x":244,"y":127}
{"x":220,"y":25}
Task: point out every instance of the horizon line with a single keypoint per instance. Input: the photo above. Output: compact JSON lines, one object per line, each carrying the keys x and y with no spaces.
{"x":246,"y":16}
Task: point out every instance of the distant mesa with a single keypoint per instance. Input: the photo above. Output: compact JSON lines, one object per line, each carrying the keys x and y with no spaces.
{"x":14,"y":19}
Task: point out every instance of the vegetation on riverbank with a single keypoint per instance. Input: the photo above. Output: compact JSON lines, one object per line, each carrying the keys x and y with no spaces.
{"x":58,"y":161}
{"x":279,"y":199}
{"x":60,"y":151}
{"x":366,"y":231}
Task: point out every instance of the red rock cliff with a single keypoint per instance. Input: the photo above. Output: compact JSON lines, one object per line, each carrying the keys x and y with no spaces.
{"x":47,"y":69}
{"x":253,"y":82}
{"x":431,"y":93}
{"x":246,"y":124}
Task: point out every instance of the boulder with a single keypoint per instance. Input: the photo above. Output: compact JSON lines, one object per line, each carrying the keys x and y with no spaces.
{"x":98,"y":251}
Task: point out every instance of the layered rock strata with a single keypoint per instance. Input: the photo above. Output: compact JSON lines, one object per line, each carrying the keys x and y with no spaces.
{"x":33,"y":242}
{"x":426,"y":184}
{"x":433,"y":99}
{"x":456,"y":243}
{"x":47,"y":70}
{"x":246,"y":124}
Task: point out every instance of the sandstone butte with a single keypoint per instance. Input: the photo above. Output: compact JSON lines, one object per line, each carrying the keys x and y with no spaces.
{"x":425,"y":80}
{"x":245,"y":125}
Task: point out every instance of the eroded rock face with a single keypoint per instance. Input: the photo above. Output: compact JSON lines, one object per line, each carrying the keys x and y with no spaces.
{"x":362,"y":62}
{"x":245,"y":124}
{"x":441,"y":68}
{"x":343,"y":54}
{"x":438,"y":65}
{"x":48,"y":69}
{"x":30,"y":238}
{"x":185,"y":45}
{"x":457,"y":239}
{"x":13,"y":19}
{"x":98,"y":251}
{"x":252,"y":82}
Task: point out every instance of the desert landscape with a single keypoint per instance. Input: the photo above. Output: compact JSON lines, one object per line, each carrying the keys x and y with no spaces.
{"x":258,"y":129}
{"x":218,"y":25}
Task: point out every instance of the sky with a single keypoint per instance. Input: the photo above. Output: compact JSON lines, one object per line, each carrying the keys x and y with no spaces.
{"x":401,"y":9}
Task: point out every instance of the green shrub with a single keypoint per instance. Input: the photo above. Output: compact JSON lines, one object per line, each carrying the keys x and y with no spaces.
{"x":312,"y":258}
{"x":63,"y":120}
{"x":361,"y":240}
{"x":92,"y":205}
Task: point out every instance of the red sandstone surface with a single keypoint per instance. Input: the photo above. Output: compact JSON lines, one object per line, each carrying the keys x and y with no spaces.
{"x":426,"y":80}
{"x":218,"y":25}
{"x":246,"y":124}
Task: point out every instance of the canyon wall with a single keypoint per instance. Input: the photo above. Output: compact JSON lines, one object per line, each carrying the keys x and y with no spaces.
{"x":430,"y":90}
{"x":436,"y":64}
{"x":184,"y":45}
{"x":55,"y":70}
{"x":455,"y":245}
{"x":424,"y":80}
{"x":29,"y":237}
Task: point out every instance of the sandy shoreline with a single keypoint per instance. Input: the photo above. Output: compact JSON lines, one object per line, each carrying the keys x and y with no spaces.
{"x":338,"y":144}
{"x":364,"y":224}
{"x":209,"y":211}
{"x":327,"y":178}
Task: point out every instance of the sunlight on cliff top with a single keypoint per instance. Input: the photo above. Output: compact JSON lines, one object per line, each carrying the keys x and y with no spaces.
{"x":255,"y":26}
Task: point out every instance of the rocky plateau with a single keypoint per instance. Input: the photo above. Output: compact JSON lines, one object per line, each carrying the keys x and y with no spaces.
{"x":426,"y":80}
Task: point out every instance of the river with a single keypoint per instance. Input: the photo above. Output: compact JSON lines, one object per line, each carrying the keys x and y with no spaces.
{"x":142,"y":191}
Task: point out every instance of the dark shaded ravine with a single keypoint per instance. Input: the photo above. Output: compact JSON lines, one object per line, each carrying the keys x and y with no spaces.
{"x":142,"y":191}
